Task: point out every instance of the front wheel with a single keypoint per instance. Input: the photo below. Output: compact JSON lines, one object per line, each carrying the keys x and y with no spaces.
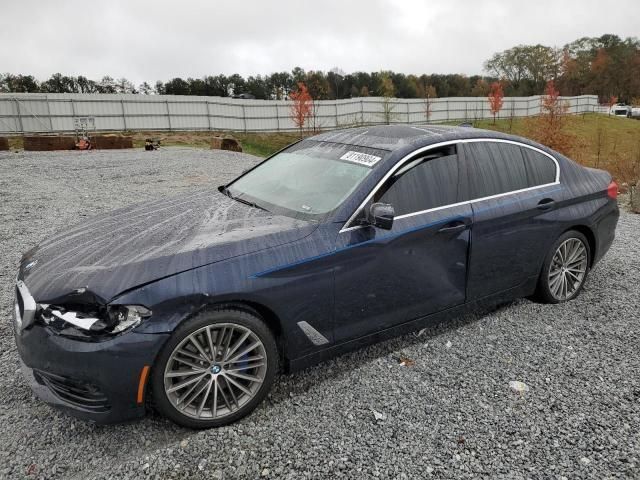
{"x":565,"y":269}
{"x":215,"y":369}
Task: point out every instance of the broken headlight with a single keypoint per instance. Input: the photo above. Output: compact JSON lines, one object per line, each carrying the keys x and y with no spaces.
{"x":84,"y":320}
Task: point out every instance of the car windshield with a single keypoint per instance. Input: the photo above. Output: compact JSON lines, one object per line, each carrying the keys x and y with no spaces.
{"x":308,"y":180}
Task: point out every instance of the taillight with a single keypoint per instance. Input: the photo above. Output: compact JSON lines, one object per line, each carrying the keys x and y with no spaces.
{"x":612,"y":190}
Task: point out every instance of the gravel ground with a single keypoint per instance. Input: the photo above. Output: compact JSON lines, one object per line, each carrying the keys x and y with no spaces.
{"x":447,"y":412}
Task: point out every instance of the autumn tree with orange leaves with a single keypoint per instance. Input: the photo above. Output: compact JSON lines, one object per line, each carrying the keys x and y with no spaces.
{"x":496,"y":94}
{"x":549,"y":128}
{"x":302,"y":106}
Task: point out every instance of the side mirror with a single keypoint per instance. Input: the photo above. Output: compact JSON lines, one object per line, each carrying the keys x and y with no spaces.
{"x":381,"y":215}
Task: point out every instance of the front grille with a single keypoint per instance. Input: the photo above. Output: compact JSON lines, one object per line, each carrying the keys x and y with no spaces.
{"x":79,"y":394}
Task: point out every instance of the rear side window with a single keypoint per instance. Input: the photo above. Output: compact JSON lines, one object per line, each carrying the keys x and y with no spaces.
{"x":540,"y":168}
{"x":421,"y":184}
{"x":493,"y":168}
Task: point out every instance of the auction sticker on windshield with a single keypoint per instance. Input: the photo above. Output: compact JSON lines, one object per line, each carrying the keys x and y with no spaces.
{"x":361,"y":158}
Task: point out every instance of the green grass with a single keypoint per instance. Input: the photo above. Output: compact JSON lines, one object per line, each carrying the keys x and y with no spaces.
{"x":265,"y":144}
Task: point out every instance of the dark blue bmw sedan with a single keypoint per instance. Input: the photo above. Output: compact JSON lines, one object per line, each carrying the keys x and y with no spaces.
{"x":192,"y":304}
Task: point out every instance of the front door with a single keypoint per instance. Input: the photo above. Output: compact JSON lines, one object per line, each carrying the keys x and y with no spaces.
{"x":388,"y":277}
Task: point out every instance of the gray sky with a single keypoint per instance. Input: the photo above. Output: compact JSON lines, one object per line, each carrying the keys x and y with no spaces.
{"x":159,"y":40}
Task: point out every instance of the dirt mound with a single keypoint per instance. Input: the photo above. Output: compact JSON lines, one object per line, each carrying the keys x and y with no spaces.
{"x":49,"y":143}
{"x":99,"y":142}
{"x":105,"y":142}
{"x":225,"y":143}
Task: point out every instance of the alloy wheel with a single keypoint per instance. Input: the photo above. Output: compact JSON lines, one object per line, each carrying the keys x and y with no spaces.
{"x":215,"y":371}
{"x":568,"y":269}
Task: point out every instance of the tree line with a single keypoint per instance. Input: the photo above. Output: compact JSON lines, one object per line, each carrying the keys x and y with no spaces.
{"x":277,"y":86}
{"x":607,"y":66}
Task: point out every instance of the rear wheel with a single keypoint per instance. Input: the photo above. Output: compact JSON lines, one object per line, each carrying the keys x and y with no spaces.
{"x":565,"y":269}
{"x":215,"y":369}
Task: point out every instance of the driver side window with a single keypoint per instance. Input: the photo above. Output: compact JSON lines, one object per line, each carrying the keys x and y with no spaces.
{"x":426,"y":182}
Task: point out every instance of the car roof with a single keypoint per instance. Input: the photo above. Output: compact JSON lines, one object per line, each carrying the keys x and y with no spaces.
{"x":395,"y":137}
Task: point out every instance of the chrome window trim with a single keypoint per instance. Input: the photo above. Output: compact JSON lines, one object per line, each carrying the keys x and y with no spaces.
{"x":411,"y":155}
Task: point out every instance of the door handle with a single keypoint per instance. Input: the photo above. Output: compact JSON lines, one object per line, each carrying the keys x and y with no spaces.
{"x":453,"y":227}
{"x":546,"y":204}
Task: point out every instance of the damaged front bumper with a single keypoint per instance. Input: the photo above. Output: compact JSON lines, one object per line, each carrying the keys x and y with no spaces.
{"x":97,"y":381}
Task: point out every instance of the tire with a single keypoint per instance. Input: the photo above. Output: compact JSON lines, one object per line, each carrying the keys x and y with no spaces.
{"x":573,"y":246}
{"x":186,"y":383}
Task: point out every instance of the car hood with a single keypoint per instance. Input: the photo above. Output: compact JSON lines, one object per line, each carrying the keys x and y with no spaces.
{"x":111,"y":253}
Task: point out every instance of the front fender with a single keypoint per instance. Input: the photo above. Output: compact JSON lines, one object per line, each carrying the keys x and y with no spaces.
{"x":294,"y":281}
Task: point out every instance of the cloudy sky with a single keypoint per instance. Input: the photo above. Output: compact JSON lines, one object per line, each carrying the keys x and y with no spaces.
{"x":190,"y":38}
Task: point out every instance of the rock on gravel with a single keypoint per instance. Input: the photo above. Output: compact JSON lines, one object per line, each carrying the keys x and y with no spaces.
{"x":450,"y":415}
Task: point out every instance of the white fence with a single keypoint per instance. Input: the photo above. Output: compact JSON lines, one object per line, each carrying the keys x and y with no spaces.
{"x":52,"y":113}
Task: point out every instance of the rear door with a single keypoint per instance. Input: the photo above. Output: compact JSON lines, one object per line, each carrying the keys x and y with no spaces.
{"x":388,"y":277}
{"x":512,"y":189}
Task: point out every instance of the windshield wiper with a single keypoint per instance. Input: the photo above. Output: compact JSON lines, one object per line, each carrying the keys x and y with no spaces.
{"x":247,"y":202}
{"x":226,"y":191}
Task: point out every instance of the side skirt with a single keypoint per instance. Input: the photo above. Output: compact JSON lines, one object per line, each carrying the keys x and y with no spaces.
{"x":523,"y":290}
